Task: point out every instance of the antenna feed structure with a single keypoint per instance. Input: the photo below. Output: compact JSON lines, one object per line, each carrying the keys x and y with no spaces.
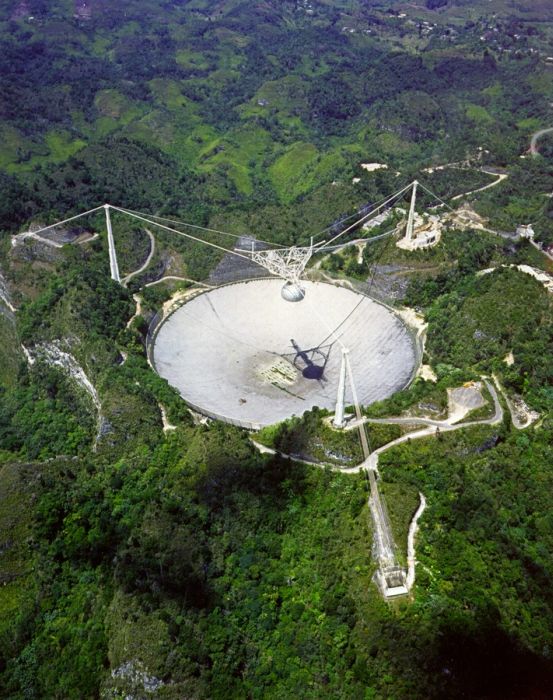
{"x":289,"y":264}
{"x":292,"y":291}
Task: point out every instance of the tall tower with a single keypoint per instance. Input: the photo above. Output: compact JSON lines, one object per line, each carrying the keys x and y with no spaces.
{"x":113,"y":266}
{"x":339,"y":416}
{"x":390,"y":575}
{"x":411,"y":217}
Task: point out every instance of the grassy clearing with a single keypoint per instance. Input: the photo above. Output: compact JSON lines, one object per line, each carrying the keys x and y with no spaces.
{"x":18,"y":154}
{"x":235,"y":39}
{"x":114,"y":110}
{"x":173,"y":131}
{"x":62,"y":146}
{"x":192,"y":60}
{"x":237,"y":154}
{"x":286,"y":95}
{"x":287,"y":172}
{"x":168,"y":92}
{"x":113,"y":104}
{"x":478,"y":114}
{"x":529,"y":124}
{"x":393,"y":145}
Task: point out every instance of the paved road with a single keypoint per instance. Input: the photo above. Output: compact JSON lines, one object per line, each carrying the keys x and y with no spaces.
{"x":432,"y":426}
{"x":536,"y":136}
{"x":500,"y":178}
{"x":31,"y":234}
{"x":542,"y":250}
{"x":411,"y":554}
{"x":371,"y":466}
{"x":175,"y":277}
{"x":442,"y":424}
{"x":431,"y":429}
{"x":129,"y":277}
{"x":531,"y":416}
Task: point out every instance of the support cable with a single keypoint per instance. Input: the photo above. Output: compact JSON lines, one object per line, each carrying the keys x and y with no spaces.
{"x":180,"y":233}
{"x":65,"y":221}
{"x":362,"y":427}
{"x":373,"y":208}
{"x":364,"y":297}
{"x":204,"y":228}
{"x":432,"y":194}
{"x":323,"y":244}
{"x":371,"y":239}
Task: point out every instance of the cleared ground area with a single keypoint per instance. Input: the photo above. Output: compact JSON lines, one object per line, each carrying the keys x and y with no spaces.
{"x":243,"y":354}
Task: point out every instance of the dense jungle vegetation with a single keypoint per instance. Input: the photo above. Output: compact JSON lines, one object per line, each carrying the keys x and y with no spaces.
{"x":149,"y":563}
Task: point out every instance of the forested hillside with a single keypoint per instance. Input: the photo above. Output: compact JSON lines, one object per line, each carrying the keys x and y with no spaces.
{"x":147,"y":554}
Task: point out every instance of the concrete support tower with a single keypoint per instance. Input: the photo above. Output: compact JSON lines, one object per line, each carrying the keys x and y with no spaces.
{"x":339,"y":415}
{"x":390,"y":576}
{"x":411,"y":217}
{"x":113,"y":266}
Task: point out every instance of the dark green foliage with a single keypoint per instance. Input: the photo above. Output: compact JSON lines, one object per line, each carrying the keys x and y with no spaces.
{"x":469,"y":252}
{"x":45,"y":417}
{"x":487,"y":318}
{"x":520,"y":199}
{"x":332,"y":102}
{"x":346,"y":262}
{"x":93,"y":300}
{"x":185,"y":555}
{"x":489,"y":491}
{"x":13,"y":202}
{"x":119,"y":171}
{"x":68,"y":651}
{"x":311,"y":437}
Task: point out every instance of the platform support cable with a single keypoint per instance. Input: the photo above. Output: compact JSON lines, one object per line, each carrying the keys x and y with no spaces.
{"x":365,"y":295}
{"x":373,"y":208}
{"x":322,"y":244}
{"x":180,"y":233}
{"x":205,"y":228}
{"x":371,"y":240}
{"x":66,"y":221}
{"x":433,"y":194}
{"x":291,"y":262}
{"x":386,"y":551}
{"x":358,"y":414}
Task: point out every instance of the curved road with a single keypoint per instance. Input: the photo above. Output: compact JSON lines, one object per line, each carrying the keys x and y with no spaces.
{"x":536,"y":136}
{"x":432,"y":426}
{"x":371,"y":463}
{"x":500,"y":178}
{"x":129,"y":277}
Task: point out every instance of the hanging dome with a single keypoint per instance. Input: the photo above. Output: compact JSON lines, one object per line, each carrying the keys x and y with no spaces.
{"x":292,"y":292}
